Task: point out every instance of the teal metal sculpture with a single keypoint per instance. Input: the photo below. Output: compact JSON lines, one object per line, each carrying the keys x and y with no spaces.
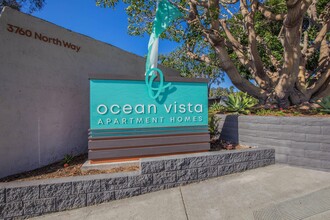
{"x":149,"y":79}
{"x":165,"y":14}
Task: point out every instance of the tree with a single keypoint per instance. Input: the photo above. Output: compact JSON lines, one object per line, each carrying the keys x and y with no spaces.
{"x":192,"y":68}
{"x":25,"y":5}
{"x":274,"y":50}
{"x":218,"y":92}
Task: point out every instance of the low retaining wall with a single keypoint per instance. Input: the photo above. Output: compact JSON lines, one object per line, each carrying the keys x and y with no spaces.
{"x":33,"y":198}
{"x":299,"y":141}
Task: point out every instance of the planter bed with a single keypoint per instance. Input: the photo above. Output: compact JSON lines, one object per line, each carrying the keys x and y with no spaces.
{"x":33,"y":198}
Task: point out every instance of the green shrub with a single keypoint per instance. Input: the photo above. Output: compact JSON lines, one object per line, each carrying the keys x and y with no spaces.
{"x":325,"y":105}
{"x":68,"y":159}
{"x":240,"y":103}
{"x":216,"y":108}
{"x":265,"y":112}
{"x":213,"y":125}
{"x":296,"y":113}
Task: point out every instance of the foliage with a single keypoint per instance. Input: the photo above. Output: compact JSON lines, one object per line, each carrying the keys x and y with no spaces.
{"x":192,"y":68}
{"x":68,"y":159}
{"x":213,"y":121}
{"x":296,"y":113}
{"x":216,"y":108}
{"x":266,"y":112}
{"x":221,"y":92}
{"x":325,"y":104}
{"x":240,"y":103}
{"x":270,"y":49}
{"x":23,"y":5}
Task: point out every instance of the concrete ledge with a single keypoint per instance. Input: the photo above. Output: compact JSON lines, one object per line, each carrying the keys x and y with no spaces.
{"x":106,"y":166}
{"x":33,"y":198}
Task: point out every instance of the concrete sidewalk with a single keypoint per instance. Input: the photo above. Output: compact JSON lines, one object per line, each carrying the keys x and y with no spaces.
{"x":273,"y":192}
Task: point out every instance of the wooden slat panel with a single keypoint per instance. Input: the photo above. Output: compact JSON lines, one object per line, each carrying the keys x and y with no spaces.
{"x":134,"y":131}
{"x":124,"y":159}
{"x":139,"y":136}
{"x":148,"y":129}
{"x":131,"y":152}
{"x":148,"y":141}
{"x":130,"y":135}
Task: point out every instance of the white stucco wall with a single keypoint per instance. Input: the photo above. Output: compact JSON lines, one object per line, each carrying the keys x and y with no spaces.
{"x":44,"y":89}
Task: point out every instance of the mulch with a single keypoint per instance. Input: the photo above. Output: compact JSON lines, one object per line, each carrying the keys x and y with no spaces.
{"x":57,"y":170}
{"x":217,"y":144}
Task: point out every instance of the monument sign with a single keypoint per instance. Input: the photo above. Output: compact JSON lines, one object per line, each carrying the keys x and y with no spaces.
{"x":126,"y":122}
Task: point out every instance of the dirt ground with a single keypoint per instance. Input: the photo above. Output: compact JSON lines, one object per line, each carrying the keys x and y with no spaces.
{"x":57,"y":170}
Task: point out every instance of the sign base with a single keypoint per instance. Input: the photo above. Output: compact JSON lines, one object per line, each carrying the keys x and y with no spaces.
{"x":123,"y":144}
{"x":134,"y":161}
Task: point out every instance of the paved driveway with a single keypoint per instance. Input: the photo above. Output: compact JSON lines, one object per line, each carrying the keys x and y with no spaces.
{"x":273,"y":192}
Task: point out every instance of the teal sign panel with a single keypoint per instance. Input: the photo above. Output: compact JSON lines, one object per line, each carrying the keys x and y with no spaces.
{"x":126,"y":104}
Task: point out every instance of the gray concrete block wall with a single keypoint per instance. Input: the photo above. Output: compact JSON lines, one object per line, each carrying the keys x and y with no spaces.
{"x":299,"y":141}
{"x":27,"y":199}
{"x":44,"y":90}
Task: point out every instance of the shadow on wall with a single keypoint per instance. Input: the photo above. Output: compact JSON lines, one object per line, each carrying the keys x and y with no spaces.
{"x":228,"y":128}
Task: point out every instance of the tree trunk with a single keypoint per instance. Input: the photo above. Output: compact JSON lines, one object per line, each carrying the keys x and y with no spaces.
{"x":292,"y":55}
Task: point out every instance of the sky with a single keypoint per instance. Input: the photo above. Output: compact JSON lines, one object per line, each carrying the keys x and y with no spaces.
{"x":103,"y":24}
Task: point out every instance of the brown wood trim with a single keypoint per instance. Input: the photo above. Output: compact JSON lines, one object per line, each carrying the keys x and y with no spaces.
{"x":151,"y":128}
{"x":140,"y":136}
{"x":137,"y":131}
{"x":141,"y":78}
{"x":143,"y":146}
{"x":148,"y":141}
{"x":144,"y":151}
{"x":128,"y":133}
{"x":123,"y":159}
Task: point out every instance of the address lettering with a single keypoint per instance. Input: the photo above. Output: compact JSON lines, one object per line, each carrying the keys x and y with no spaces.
{"x":39,"y":36}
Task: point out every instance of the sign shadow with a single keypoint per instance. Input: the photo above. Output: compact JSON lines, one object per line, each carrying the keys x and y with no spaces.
{"x":163,"y":96}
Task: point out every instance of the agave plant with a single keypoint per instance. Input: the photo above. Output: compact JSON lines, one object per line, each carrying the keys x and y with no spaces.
{"x":325,"y":104}
{"x":240,"y":103}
